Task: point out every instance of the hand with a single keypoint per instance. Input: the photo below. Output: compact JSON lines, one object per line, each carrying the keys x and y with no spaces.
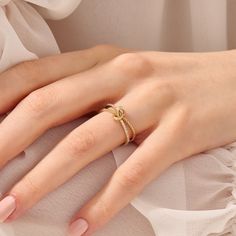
{"x":179,"y":103}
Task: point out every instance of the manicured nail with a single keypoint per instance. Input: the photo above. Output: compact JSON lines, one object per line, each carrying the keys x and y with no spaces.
{"x":7,"y":206}
{"x":78,"y":228}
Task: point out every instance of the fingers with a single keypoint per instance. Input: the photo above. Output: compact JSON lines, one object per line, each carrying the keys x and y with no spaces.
{"x":80,"y":147}
{"x":28,"y":76}
{"x":146,"y":163}
{"x":60,"y":102}
{"x":86,"y":143}
{"x":20,"y":80}
{"x":53,"y":105}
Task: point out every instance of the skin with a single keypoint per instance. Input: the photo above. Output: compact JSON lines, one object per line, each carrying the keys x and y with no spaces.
{"x":185,"y":105}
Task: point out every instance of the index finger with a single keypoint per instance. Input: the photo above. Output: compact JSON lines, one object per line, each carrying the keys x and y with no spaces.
{"x":20,"y":80}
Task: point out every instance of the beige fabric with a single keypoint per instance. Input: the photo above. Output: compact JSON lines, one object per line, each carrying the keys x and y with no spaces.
{"x":195,"y":197}
{"x":167,"y":25}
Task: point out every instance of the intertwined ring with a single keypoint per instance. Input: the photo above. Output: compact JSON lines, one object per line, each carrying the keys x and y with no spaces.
{"x":119,"y":115}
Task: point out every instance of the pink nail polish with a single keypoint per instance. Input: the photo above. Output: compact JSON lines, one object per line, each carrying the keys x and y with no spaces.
{"x":78,"y":228}
{"x":7,"y":206}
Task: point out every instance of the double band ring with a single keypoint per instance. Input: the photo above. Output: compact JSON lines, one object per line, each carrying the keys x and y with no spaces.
{"x":119,"y":115}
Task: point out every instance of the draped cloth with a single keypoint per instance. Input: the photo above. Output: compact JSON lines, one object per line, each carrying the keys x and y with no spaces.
{"x":194,"y":197}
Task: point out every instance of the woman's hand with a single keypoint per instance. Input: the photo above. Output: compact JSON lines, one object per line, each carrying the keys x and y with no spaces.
{"x":179,"y":103}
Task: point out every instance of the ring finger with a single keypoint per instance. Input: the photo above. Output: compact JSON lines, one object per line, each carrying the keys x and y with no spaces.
{"x":82,"y":146}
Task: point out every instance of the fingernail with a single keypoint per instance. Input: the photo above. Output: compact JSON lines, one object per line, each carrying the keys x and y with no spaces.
{"x":7,"y":206}
{"x":78,"y":228}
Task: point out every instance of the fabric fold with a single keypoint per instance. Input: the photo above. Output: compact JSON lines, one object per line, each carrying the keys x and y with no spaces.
{"x":171,"y":200}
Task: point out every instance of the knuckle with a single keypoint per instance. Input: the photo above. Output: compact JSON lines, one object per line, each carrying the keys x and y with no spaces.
{"x":181,"y":125}
{"x":80,"y":142}
{"x":165,"y":91}
{"x":104,"y":210}
{"x":133,"y":178}
{"x":30,"y":186}
{"x":103,"y":47}
{"x":165,"y":88}
{"x":183,"y":117}
{"x":28,"y":70}
{"x":38,"y":102}
{"x":105,"y":52}
{"x":132,"y":65}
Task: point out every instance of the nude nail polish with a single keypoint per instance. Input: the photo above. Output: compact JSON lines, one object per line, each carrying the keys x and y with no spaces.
{"x":7,"y":206}
{"x":78,"y":228}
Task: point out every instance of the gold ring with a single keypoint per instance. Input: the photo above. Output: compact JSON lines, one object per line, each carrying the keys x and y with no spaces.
{"x":119,"y":115}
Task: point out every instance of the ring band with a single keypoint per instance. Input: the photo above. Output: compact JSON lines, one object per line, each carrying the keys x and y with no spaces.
{"x":119,"y":115}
